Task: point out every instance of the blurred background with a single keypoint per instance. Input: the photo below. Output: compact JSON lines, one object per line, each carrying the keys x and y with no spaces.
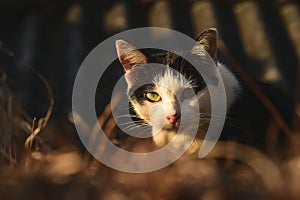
{"x":259,"y":40}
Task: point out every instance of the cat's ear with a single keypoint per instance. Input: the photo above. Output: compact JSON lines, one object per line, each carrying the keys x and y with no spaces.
{"x":208,"y":40}
{"x":129,"y":55}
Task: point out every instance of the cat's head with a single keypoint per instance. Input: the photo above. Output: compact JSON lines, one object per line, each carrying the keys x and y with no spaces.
{"x":160,"y":94}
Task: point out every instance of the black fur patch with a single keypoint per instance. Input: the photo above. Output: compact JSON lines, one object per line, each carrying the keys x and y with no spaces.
{"x":173,"y":60}
{"x":138,"y":94}
{"x":181,"y":65}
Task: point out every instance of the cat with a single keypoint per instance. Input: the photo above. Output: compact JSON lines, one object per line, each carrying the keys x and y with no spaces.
{"x":175,"y":87}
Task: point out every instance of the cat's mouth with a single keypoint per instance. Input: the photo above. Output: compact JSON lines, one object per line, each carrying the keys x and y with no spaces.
{"x":172,"y":127}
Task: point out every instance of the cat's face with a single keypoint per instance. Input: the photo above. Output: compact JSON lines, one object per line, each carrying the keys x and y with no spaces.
{"x":165,"y":97}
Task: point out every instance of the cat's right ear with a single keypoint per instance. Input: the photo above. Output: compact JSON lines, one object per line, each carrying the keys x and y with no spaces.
{"x":129,"y":56}
{"x":207,"y":40}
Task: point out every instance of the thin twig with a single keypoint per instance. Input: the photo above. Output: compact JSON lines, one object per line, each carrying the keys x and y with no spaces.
{"x":106,"y":115}
{"x":29,"y":140}
{"x":50,"y":96}
{"x":256,"y":90}
{"x":42,"y":122}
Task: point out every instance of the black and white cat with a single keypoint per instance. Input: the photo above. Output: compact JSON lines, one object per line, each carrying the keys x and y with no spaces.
{"x":176,"y":87}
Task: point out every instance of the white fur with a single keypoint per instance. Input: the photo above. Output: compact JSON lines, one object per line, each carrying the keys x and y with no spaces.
{"x":173,"y":80}
{"x":170,"y":86}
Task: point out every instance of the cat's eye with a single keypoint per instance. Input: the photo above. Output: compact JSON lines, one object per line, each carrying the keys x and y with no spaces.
{"x":152,"y":96}
{"x":187,"y":93}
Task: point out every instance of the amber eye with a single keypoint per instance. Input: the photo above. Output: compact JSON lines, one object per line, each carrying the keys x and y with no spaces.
{"x":152,"y":96}
{"x":187,"y":93}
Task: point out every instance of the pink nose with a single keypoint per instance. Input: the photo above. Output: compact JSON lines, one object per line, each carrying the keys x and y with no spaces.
{"x":173,"y":118}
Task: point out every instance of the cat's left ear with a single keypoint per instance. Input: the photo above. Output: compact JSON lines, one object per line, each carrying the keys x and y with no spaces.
{"x":207,"y":40}
{"x":129,"y":55}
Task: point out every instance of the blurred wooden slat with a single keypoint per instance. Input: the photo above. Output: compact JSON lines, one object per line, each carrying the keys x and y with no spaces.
{"x":160,"y":14}
{"x":73,"y":51}
{"x":290,"y":14}
{"x":115,"y":18}
{"x":255,"y":41}
{"x":28,"y":51}
{"x":203,"y":16}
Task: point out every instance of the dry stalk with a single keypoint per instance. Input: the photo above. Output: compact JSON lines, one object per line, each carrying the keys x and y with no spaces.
{"x":42,"y":122}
